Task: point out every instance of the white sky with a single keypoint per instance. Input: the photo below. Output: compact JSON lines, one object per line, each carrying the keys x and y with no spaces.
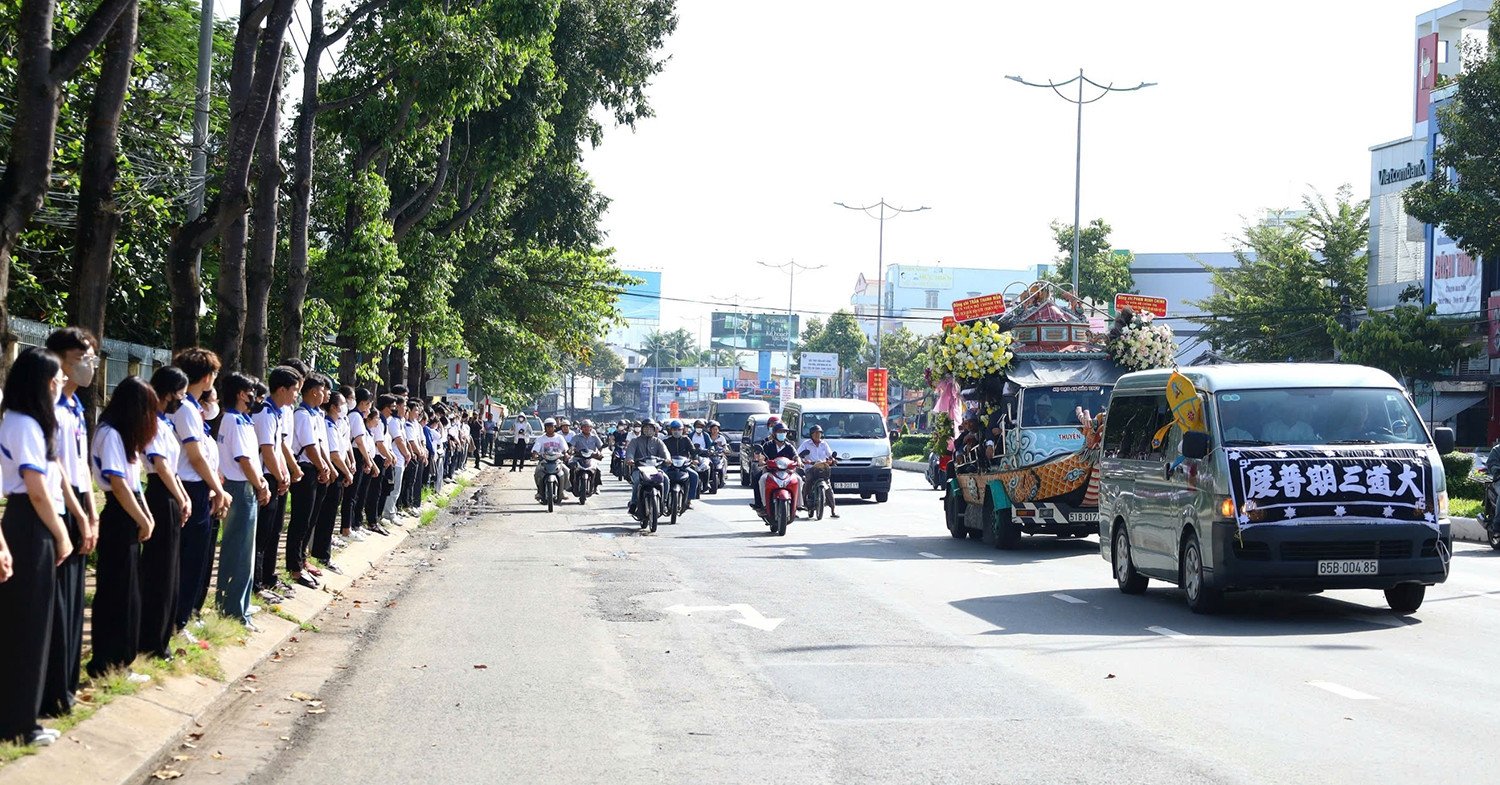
{"x":770,"y":111}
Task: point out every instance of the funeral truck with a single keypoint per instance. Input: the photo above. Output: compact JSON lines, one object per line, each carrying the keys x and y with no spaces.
{"x":1304,"y":477}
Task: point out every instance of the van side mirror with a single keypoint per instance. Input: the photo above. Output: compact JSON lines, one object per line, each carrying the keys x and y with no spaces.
{"x":1195,"y":445}
{"x":1442,"y":438}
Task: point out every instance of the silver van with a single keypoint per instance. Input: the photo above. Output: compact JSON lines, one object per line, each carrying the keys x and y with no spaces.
{"x":1310,"y":477}
{"x":731,"y":414}
{"x":855,"y":429}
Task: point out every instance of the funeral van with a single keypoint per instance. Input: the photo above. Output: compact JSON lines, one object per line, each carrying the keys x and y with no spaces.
{"x":1309,"y":477}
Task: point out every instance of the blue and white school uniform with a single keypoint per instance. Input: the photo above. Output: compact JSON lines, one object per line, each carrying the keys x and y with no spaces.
{"x":116,"y":624}
{"x":26,"y":599}
{"x":161,"y":557}
{"x":239,"y":460}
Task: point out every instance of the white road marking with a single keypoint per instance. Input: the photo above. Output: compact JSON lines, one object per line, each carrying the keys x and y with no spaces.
{"x":749,"y":616}
{"x":1342,"y":691}
{"x":1170,"y":633}
{"x":1068,"y":598}
{"x":928,"y":555}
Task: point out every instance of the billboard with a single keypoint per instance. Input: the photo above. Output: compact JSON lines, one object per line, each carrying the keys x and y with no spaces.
{"x":642,"y":301}
{"x":924,"y":278}
{"x":823,"y":365}
{"x":752,"y":331}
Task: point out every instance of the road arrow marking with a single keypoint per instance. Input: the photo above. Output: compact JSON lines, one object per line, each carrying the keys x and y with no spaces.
{"x":1168,"y":632}
{"x":1342,"y":691}
{"x":749,"y":616}
{"x":1070,"y":599}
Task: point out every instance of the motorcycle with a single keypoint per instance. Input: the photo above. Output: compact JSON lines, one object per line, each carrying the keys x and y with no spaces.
{"x":819,"y":490}
{"x":652,"y":496}
{"x":718,"y":466}
{"x":677,"y":494}
{"x":617,"y":465}
{"x":552,"y":468}
{"x":705,"y":473}
{"x":586,"y":476}
{"x":1487,"y":517}
{"x":780,"y":486}
{"x":937,"y":470}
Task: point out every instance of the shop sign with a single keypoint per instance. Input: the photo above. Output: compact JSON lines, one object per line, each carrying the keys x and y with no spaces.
{"x":1455,"y":278}
{"x":1408,"y":172}
{"x":1140,"y":303}
{"x":973,"y":308}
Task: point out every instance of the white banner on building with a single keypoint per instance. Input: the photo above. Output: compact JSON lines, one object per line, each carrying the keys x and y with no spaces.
{"x":1455,"y":278}
{"x":823,"y":365}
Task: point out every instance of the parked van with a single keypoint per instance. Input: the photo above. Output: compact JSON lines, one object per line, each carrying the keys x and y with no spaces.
{"x":855,"y":429}
{"x":1310,"y":477}
{"x":731,"y":414}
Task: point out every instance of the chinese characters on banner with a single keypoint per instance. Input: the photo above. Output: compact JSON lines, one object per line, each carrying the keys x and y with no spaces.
{"x":1272,"y":485}
{"x":978,"y":307}
{"x":876,"y":380}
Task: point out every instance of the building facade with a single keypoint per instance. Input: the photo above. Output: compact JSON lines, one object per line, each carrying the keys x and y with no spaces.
{"x":917,"y":297}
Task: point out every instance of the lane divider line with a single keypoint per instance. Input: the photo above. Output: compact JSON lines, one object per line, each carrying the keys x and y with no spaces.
{"x":1168,"y":632}
{"x":926,"y":555}
{"x":1342,"y":691}
{"x":1068,"y":598}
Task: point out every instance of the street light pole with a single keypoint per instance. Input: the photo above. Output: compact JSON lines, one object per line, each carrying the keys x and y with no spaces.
{"x":790,"y":268}
{"x":880,"y":256}
{"x":1104,"y":90}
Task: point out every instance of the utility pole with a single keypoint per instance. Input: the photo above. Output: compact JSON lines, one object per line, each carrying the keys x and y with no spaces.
{"x":883,"y":207}
{"x":1078,"y":142}
{"x":790,"y":268}
{"x":198,"y":182}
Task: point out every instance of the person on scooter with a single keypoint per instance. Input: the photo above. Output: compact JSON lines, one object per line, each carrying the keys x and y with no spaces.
{"x":647,"y":445}
{"x":775,"y":447}
{"x":680,"y":445}
{"x":583,"y":443}
{"x":814,"y":450}
{"x":549,"y":440}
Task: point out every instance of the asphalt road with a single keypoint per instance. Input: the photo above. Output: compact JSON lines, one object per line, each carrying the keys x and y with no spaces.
{"x":875,"y":649}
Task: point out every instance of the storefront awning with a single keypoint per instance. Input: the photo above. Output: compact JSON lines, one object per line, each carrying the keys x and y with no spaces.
{"x":1447,"y":406}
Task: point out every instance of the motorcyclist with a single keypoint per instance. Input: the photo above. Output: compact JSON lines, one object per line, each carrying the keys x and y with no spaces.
{"x":813,"y":450}
{"x":583,"y":443}
{"x":549,"y":440}
{"x":680,"y":445}
{"x":565,"y":429}
{"x":646,"y":446}
{"x":775,"y":447}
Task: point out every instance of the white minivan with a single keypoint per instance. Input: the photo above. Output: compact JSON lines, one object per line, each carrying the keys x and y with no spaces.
{"x":855,"y":429}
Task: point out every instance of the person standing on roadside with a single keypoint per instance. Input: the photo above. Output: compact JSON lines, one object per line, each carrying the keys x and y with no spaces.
{"x":395,"y":424}
{"x":76,"y":348}
{"x":33,"y":539}
{"x":126,"y":427}
{"x":167,"y":501}
{"x":519,"y":440}
{"x":384,"y":457}
{"x":270,"y":435}
{"x":308,"y":436}
{"x":244,"y":480}
{"x":196,"y":468}
{"x":362,"y":451}
{"x":343,"y":477}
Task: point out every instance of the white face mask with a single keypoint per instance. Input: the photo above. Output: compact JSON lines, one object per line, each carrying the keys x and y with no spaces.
{"x":210,"y":410}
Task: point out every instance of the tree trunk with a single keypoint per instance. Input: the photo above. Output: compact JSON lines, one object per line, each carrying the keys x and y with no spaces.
{"x":302,"y":165}
{"x":98,"y":215}
{"x":262,"y":268}
{"x":398,"y":366}
{"x":40,"y":74}
{"x":253,"y":74}
{"x":414,"y":366}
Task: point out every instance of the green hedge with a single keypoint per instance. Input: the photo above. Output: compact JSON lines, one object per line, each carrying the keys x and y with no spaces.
{"x":912,"y":444}
{"x":1457,"y":466}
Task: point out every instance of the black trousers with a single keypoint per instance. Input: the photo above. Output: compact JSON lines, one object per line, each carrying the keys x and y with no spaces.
{"x":160,"y":568}
{"x":517,"y":455}
{"x":375,"y":490}
{"x":328,"y":513}
{"x":116,"y":621}
{"x":196,"y":554}
{"x":25,"y":617}
{"x":269,"y":521}
{"x":307,"y":496}
{"x":408,"y":482}
{"x":354,"y":494}
{"x":65,"y":653}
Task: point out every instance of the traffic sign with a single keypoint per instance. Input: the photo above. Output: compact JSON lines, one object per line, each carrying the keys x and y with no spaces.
{"x":823,"y":365}
{"x":1140,"y":303}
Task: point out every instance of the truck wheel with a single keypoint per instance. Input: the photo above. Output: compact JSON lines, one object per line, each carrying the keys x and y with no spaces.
{"x":1007,"y":531}
{"x":1405,"y":597}
{"x":986,"y":516}
{"x":1130,"y":581}
{"x":1201,"y":598}
{"x":882,"y":498}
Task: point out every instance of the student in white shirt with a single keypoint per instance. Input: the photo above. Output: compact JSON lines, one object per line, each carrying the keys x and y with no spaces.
{"x":244,"y":481}
{"x":33,"y":538}
{"x":310,"y":447}
{"x":76,"y":348}
{"x":167,"y":501}
{"x":333,"y":499}
{"x":272,"y":435}
{"x":395,"y":423}
{"x":126,"y":427}
{"x":361,"y":452}
{"x":196,"y":469}
{"x":383,"y":457}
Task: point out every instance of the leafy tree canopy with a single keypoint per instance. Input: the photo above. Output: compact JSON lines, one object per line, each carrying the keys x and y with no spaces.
{"x":1102,"y":273}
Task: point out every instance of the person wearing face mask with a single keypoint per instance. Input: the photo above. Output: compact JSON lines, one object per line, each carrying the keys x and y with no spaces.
{"x":76,"y":348}
{"x":33,"y":539}
{"x":196,"y":468}
{"x":775,"y":447}
{"x":167,"y":501}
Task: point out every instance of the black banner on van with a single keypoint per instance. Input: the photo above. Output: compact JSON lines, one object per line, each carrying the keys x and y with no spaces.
{"x":1280,"y":485}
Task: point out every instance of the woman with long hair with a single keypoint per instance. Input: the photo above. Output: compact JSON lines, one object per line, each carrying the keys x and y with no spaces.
{"x":126,"y":427}
{"x":244,"y":481}
{"x":169,"y":505}
{"x":33,"y":540}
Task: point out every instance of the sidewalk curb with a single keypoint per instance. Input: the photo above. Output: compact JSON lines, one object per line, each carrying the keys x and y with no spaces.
{"x":910,"y":466}
{"x":1468,"y":530}
{"x":121,"y":741}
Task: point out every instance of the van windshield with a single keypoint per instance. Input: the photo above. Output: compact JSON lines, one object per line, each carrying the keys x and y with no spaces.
{"x":1058,"y":404}
{"x":732,"y":421}
{"x":1318,"y":415}
{"x":845,"y":425}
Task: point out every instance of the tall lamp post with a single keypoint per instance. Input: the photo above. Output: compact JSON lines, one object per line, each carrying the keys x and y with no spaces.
{"x":894,"y":211}
{"x":1104,"y":90}
{"x":790,"y":268}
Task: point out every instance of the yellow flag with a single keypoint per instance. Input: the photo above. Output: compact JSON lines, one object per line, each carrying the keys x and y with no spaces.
{"x":1186,"y":406}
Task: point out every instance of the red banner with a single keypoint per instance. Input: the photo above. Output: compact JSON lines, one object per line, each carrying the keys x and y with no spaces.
{"x":1140,"y":303}
{"x":1494,"y":314}
{"x":949,"y":322}
{"x":876,"y":381}
{"x":978,"y":307}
